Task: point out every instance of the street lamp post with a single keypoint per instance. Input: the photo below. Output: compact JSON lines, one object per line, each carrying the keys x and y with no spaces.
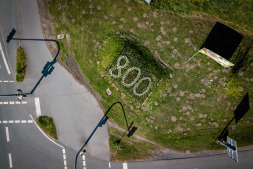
{"x":48,"y":68}
{"x":103,"y":120}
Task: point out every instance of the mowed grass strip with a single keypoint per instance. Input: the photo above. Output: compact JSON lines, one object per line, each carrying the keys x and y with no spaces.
{"x":47,"y":125}
{"x":20,"y":65}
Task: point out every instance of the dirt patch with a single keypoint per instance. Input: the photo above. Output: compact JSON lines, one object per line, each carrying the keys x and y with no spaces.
{"x":173,"y":118}
{"x":48,"y":26}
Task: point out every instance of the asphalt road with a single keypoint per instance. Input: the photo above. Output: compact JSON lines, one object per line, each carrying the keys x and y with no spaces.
{"x":74,"y":109}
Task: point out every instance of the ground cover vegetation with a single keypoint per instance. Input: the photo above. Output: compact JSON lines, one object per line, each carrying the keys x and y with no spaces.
{"x":188,"y":104}
{"x":47,"y":125}
{"x":20,"y":65}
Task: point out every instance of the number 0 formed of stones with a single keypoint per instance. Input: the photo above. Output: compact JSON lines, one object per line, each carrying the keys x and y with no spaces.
{"x":119,"y":67}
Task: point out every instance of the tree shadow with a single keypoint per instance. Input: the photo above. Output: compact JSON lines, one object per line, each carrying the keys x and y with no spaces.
{"x":242,"y":59}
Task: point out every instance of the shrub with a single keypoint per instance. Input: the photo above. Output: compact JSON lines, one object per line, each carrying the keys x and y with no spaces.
{"x":20,"y":65}
{"x":47,"y":124}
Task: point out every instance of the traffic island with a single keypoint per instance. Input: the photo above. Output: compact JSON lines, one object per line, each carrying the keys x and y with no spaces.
{"x":20,"y":65}
{"x":47,"y":125}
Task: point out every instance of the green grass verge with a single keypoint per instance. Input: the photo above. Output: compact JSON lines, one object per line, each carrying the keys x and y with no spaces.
{"x":186,"y":110}
{"x":236,"y":11}
{"x":20,"y":65}
{"x":47,"y":125}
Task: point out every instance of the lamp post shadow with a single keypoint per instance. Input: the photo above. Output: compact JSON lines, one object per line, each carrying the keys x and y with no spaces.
{"x":47,"y":69}
{"x":100,"y":123}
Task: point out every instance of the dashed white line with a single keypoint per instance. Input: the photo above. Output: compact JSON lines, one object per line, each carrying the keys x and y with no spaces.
{"x":29,"y":121}
{"x":10,"y":160}
{"x":5,"y":62}
{"x":17,"y":121}
{"x":37,"y":106}
{"x":12,"y":102}
{"x":109,"y":165}
{"x":84,"y":163}
{"x":124,"y":165}
{"x":7,"y":81}
{"x":7,"y":134}
{"x":64,"y":158}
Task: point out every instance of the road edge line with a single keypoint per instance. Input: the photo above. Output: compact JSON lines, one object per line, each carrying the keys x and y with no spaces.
{"x":45,"y":134}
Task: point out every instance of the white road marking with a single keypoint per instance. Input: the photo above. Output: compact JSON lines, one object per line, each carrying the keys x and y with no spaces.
{"x":7,"y":81}
{"x":109,"y":165}
{"x":24,"y":102}
{"x":45,"y":134}
{"x":12,"y":102}
{"x":37,"y":106}
{"x":10,"y":160}
{"x":16,"y":121}
{"x":29,"y":121}
{"x":64,"y":158}
{"x":124,"y":165}
{"x":5,"y":62}
{"x":84,"y":163}
{"x":7,"y":134}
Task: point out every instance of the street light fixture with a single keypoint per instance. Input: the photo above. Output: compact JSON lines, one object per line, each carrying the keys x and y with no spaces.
{"x":101,"y":122}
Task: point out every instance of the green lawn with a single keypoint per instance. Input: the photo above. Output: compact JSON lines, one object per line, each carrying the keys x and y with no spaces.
{"x":20,"y":65}
{"x":189,"y":104}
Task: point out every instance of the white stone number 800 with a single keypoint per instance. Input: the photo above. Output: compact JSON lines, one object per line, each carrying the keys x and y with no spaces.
{"x":119,"y":67}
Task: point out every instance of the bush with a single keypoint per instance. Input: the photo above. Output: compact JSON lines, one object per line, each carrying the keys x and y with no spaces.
{"x":47,"y":124}
{"x":20,"y":65}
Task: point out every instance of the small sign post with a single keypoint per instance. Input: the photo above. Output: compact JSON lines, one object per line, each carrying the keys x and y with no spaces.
{"x":232,"y":153}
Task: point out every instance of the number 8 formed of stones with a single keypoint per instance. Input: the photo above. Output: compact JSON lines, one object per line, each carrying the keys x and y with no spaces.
{"x":119,"y":67}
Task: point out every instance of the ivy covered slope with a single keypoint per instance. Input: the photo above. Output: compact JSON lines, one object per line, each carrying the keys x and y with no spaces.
{"x":140,"y":54}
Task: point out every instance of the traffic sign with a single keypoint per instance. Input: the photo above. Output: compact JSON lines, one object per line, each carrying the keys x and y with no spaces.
{"x":232,"y":153}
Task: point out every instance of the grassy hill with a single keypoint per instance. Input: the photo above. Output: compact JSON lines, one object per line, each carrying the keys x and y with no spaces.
{"x":186,"y":107}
